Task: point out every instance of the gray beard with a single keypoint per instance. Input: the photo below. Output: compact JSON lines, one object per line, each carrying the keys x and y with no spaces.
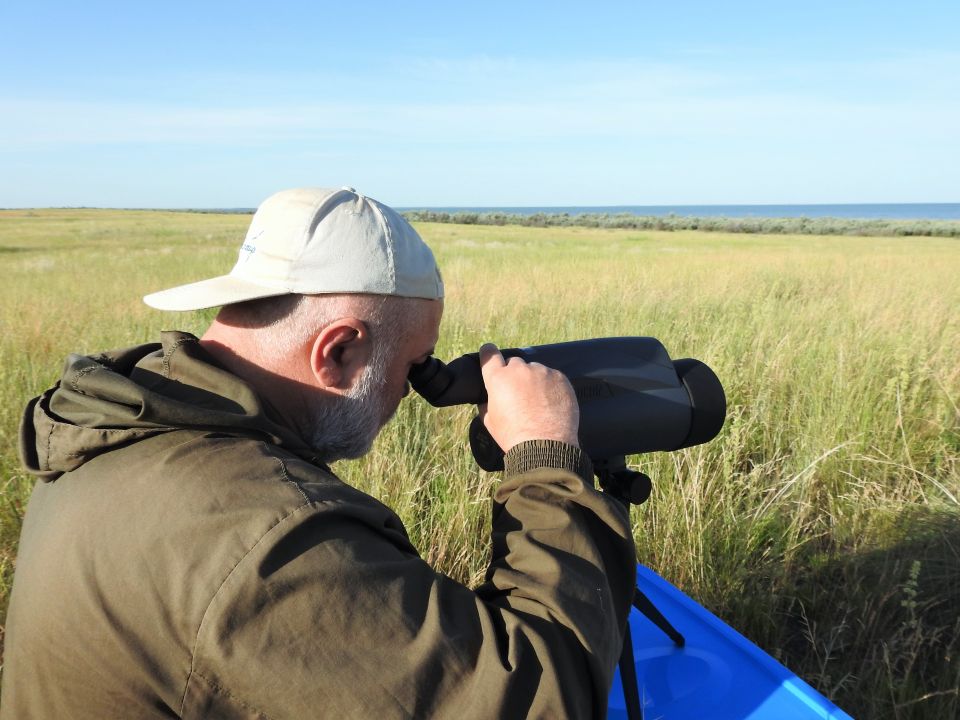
{"x":345,"y":426}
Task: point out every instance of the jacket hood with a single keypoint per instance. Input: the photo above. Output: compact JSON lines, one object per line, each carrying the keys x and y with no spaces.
{"x":119,"y":397}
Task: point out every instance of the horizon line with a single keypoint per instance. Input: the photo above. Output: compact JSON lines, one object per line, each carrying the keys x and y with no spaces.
{"x":406,"y":207}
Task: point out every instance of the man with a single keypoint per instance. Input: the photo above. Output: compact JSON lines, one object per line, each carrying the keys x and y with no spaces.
{"x":188,"y":552}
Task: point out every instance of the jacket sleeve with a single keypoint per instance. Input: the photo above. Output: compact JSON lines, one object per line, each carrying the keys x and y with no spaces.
{"x":333,"y":614}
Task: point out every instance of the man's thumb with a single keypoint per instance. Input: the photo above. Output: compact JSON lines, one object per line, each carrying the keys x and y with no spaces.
{"x":490,"y":358}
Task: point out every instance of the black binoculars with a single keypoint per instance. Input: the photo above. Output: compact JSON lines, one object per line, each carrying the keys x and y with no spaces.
{"x":633,"y":398}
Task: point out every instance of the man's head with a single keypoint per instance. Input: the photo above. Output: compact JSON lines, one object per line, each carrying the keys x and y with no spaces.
{"x":334,"y":296}
{"x":346,"y":356}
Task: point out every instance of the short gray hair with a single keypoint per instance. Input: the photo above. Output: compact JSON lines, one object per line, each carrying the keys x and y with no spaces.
{"x":285,"y":323}
{"x":337,"y":426}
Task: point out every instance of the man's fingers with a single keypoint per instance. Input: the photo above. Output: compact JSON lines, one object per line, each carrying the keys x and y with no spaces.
{"x":490,"y":358}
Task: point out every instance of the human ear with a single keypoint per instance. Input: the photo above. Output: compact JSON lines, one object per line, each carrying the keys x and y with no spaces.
{"x":339,"y":353}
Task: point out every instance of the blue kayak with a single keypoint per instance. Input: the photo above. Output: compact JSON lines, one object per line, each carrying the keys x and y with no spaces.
{"x":718,"y":674}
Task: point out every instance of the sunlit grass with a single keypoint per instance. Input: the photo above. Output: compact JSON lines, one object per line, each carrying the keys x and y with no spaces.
{"x":824,"y":522}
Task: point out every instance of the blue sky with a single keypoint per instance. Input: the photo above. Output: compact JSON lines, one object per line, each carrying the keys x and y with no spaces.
{"x":179,"y":104}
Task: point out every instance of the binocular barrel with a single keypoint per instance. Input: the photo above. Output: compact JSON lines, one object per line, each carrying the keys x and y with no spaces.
{"x":633,"y":398}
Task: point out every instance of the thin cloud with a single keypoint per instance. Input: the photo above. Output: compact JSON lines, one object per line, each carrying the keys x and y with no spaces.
{"x":884,"y":129}
{"x":27,"y":123}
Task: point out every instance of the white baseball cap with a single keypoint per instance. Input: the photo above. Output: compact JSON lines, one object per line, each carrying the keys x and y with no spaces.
{"x":314,"y":241}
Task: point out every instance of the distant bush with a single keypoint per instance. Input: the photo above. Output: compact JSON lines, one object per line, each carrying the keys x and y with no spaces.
{"x":764,"y":225}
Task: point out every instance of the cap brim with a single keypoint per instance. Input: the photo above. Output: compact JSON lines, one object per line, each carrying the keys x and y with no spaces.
{"x":223,"y":290}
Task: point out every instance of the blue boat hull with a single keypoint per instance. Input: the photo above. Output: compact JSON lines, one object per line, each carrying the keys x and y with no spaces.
{"x":719,"y":674}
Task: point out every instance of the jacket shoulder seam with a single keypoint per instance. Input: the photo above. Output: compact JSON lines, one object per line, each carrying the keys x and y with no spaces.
{"x":216,"y":687}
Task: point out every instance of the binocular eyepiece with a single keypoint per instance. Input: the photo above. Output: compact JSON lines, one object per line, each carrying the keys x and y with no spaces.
{"x":633,"y":398}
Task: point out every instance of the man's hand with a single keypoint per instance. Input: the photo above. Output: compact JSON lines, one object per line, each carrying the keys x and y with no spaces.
{"x":526,"y":401}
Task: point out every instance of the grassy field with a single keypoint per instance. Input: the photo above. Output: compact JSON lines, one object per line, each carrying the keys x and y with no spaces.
{"x":823,"y":523}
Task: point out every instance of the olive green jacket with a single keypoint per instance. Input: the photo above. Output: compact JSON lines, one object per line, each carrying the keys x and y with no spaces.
{"x":184,"y":555}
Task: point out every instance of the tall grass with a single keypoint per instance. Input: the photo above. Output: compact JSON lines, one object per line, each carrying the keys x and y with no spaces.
{"x":823,"y":522}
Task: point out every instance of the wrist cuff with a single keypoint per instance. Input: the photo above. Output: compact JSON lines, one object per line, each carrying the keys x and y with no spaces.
{"x":533,"y":454}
